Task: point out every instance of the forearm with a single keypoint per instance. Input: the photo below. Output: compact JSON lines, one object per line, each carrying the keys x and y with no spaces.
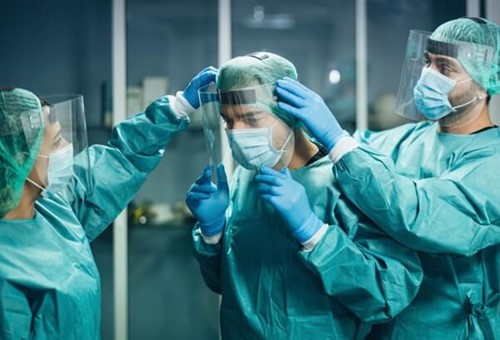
{"x":118,"y":170}
{"x":375,"y":278}
{"x":432,"y":215}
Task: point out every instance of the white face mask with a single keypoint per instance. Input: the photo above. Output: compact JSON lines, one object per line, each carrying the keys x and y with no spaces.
{"x":59,"y":171}
{"x":253,"y":148}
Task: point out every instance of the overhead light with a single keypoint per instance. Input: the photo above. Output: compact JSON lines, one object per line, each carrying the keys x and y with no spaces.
{"x":260,"y":20}
{"x":334,"y":77}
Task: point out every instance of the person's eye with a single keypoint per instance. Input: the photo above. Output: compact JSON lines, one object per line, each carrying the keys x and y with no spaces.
{"x":427,"y":60}
{"x":445,"y":69}
{"x":253,"y":122}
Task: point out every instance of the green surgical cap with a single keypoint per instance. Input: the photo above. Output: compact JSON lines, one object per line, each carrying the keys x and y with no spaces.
{"x":477,"y":32}
{"x":259,"y":68}
{"x":21,"y":134}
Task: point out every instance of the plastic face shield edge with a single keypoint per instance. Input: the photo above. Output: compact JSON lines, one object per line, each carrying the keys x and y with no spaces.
{"x":63,"y":161}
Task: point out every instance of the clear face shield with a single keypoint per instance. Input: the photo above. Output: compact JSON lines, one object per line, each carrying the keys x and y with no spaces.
{"x":256,"y":136}
{"x":439,"y":80}
{"x":64,"y":156}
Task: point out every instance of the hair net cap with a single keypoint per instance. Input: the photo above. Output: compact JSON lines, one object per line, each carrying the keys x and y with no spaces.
{"x":21,"y":134}
{"x":259,"y":68}
{"x":481,"y":33}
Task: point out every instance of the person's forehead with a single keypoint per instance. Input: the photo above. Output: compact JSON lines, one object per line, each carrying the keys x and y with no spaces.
{"x":441,"y":57}
{"x":243,"y":111}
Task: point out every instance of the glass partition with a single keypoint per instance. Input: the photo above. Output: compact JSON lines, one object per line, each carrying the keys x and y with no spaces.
{"x":168,"y":42}
{"x":318,"y":36}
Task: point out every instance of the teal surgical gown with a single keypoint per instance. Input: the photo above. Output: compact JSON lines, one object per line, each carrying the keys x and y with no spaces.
{"x":49,"y":283}
{"x":437,"y":193}
{"x":273,"y":289}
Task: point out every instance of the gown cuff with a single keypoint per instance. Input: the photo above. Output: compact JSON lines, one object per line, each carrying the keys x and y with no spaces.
{"x":314,"y":240}
{"x":343,"y":146}
{"x":180,"y":106}
{"x":211,"y":239}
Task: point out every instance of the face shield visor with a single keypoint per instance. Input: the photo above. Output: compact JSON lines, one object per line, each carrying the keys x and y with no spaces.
{"x":63,"y":159}
{"x":440,"y":80}
{"x":256,"y":136}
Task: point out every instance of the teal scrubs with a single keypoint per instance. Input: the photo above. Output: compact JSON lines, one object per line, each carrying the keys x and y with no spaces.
{"x":272,"y":288}
{"x":49,"y":283}
{"x":437,"y":193}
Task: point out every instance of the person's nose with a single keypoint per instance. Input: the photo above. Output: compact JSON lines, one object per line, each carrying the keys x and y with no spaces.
{"x":434,"y":67}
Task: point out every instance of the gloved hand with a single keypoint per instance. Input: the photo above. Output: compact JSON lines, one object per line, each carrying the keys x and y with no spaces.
{"x":205,"y":77}
{"x":208,"y":202}
{"x":289,"y":198}
{"x":310,"y":108}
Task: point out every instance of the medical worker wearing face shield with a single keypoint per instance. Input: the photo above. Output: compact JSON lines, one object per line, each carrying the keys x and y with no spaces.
{"x":433,"y":185}
{"x":322,"y":272}
{"x":57,"y":195}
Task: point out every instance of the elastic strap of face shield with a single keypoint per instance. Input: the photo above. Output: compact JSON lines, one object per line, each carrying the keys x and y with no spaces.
{"x":258,"y":55}
{"x":476,"y":20}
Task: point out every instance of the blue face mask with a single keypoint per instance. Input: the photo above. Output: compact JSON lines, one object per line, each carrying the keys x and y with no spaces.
{"x":431,"y":94}
{"x":253,"y":148}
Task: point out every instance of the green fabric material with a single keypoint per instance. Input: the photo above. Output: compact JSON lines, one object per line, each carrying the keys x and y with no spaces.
{"x":272,"y":289}
{"x":21,"y":133}
{"x":479,"y":35}
{"x":248,"y":71}
{"x":49,"y":283}
{"x":439,"y":194}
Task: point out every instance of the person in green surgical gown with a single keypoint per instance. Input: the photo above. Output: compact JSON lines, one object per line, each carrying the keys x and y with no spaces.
{"x":325,"y":271}
{"x":57,"y":195}
{"x":432,"y":185}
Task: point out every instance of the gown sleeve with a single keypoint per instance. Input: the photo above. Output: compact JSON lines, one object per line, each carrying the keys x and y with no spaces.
{"x":209,"y":260}
{"x":359,"y":265}
{"x":15,"y":313}
{"x":118,"y":169}
{"x":457,"y":213}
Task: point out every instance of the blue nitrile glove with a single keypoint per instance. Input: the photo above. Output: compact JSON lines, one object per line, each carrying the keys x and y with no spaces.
{"x":289,"y":198}
{"x":205,"y":77}
{"x":310,"y":108}
{"x":208,"y":202}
